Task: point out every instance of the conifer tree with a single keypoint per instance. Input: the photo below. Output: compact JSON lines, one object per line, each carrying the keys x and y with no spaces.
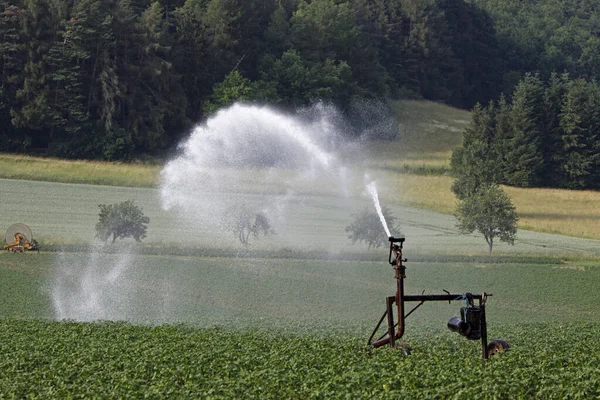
{"x":592,"y":108}
{"x":156,"y":95}
{"x":551,"y":146}
{"x":192,"y":47}
{"x":525,"y":160}
{"x":33,"y":98}
{"x":12,"y":61}
{"x":277,"y":35}
{"x":573,"y":155}
{"x":476,"y":162}
{"x":503,"y":132}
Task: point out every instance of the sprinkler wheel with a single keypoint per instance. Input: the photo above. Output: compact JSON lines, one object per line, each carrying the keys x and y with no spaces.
{"x":497,"y":346}
{"x":404,"y":348}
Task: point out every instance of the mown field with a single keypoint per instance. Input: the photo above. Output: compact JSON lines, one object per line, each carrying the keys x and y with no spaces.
{"x":317,"y":292}
{"x":65,"y":215}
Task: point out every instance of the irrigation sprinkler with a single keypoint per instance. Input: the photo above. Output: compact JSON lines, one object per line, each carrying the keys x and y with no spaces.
{"x":471,"y":324}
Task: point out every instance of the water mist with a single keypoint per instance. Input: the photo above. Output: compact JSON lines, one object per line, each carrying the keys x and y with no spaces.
{"x":93,"y":286}
{"x":255,"y":157}
{"x":284,"y":166}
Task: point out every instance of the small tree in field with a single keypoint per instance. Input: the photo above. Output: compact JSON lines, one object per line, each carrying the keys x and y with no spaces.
{"x":490,"y":212}
{"x":120,"y":221}
{"x":243,"y":222}
{"x":367,"y":227}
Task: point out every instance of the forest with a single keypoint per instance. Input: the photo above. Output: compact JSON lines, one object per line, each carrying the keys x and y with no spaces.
{"x":114,"y":79}
{"x":546,"y":135}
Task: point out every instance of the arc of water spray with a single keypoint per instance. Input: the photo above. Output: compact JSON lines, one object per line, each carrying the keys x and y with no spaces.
{"x":372,"y":188}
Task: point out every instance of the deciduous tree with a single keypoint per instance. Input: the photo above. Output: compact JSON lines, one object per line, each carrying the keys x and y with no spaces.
{"x":244,"y":222}
{"x":490,"y":212}
{"x":366,"y":227}
{"x":120,"y":221}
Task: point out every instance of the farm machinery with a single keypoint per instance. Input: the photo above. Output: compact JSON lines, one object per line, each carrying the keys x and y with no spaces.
{"x":19,"y":238}
{"x":471,"y":324}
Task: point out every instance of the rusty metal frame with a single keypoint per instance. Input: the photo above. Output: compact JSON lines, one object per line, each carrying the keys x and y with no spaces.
{"x":392,"y":335}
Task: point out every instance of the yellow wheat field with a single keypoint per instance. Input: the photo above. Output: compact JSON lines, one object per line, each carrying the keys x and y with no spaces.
{"x":71,"y":171}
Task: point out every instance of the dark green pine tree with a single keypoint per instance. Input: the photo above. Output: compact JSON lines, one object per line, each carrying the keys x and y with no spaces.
{"x":552,"y":144}
{"x":33,"y":109}
{"x":574,"y":156}
{"x":68,"y":100}
{"x":502,"y":135}
{"x":248,"y":31}
{"x":316,"y":67}
{"x":108,"y":89}
{"x":435,"y":65}
{"x":471,"y":36}
{"x":593,"y":129}
{"x":372,"y":25}
{"x":192,"y":55}
{"x":475,"y":163}
{"x":12,"y":61}
{"x":219,"y":19}
{"x":277,"y":35}
{"x":396,"y":56}
{"x":325,"y":29}
{"x":523,"y":151}
{"x":154,"y":97}
{"x":87,"y":80}
{"x":104,"y":34}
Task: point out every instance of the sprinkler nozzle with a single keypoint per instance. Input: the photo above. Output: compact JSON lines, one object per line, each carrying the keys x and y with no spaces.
{"x":395,"y":239}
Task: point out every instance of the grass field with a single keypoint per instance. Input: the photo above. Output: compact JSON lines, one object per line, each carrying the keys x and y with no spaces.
{"x":65,"y":214}
{"x":315,"y":292}
{"x":567,"y":212}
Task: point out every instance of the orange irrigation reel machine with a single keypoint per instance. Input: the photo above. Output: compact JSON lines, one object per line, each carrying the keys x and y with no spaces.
{"x":471,"y":323}
{"x":19,"y":238}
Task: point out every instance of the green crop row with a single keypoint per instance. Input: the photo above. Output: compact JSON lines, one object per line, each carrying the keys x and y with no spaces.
{"x":115,"y":360}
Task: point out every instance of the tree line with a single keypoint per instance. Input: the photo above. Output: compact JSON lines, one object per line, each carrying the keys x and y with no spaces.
{"x":109,"y":79}
{"x":546,"y":135}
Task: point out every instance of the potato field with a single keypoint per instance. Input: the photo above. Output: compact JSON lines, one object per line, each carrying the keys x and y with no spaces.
{"x":43,"y":359}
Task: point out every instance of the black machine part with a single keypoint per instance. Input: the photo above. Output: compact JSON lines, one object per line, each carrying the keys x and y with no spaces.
{"x":469,"y":323}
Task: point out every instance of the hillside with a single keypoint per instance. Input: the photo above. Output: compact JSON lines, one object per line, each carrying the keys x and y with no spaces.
{"x":126,"y":78}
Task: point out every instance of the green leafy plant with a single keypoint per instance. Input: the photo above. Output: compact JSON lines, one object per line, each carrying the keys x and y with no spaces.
{"x":366,"y":227}
{"x":120,"y":221}
{"x":119,"y":360}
